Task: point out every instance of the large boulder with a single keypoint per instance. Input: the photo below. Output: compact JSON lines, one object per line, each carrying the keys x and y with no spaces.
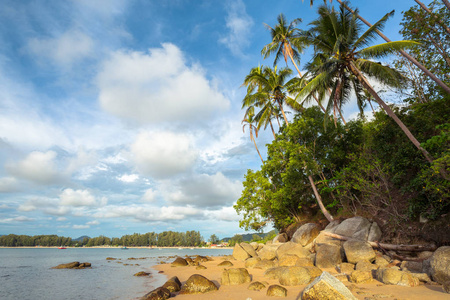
{"x":327,"y":287}
{"x":306,"y":234}
{"x":235,"y":276}
{"x":294,"y":276}
{"x":269,"y":251}
{"x":361,"y":276}
{"x":292,"y":248}
{"x":374,"y":233}
{"x":440,"y":265}
{"x":396,"y":277}
{"x":314,"y":272}
{"x":356,"y":227}
{"x":198,"y":284}
{"x":280,"y":238}
{"x":264,"y":264}
{"x":249,"y":249}
{"x":73,"y":265}
{"x":304,"y":262}
{"x":274,"y":273}
{"x":239,"y":253}
{"x":322,"y":239}
{"x":160,"y":293}
{"x":287,"y":260}
{"x":364,"y":265}
{"x":179,"y":262}
{"x":356,"y":251}
{"x":412,"y":266}
{"x":345,"y":268}
{"x":328,"y":256}
{"x":276,"y":291}
{"x":173,"y":284}
{"x":252,"y":262}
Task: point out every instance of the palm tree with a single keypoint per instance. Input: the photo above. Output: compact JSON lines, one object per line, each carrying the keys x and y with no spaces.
{"x":337,"y":40}
{"x":249,"y":120}
{"x":402,"y":52}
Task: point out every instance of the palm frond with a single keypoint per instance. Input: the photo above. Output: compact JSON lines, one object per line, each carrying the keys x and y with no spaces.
{"x":367,"y":37}
{"x":384,"y":49}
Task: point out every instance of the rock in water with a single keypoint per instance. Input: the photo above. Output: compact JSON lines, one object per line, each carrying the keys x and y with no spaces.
{"x":306,"y":234}
{"x":235,"y":276}
{"x":142,"y":273}
{"x":173,"y":284}
{"x":73,"y":265}
{"x":157,"y":294}
{"x":326,"y":287}
{"x":440,"y":265}
{"x":198,"y":284}
{"x":276,"y":291}
{"x":179,"y":262}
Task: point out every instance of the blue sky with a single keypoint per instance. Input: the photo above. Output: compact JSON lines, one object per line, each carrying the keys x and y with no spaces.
{"x":125,"y":116}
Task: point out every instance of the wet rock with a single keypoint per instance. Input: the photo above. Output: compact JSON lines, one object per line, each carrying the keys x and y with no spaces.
{"x":173,"y":284}
{"x":328,"y":256}
{"x":440,"y":265}
{"x":256,"y":286}
{"x":157,"y":294}
{"x":294,"y":276}
{"x":198,"y":284}
{"x":73,"y":265}
{"x":225,"y":263}
{"x":396,"y":277}
{"x":235,"y":276}
{"x":276,"y":291}
{"x":111,"y":258}
{"x":142,"y":273}
{"x":356,"y":251}
{"x":239,"y":253}
{"x":179,"y":262}
{"x":305,"y":234}
{"x":326,"y":287}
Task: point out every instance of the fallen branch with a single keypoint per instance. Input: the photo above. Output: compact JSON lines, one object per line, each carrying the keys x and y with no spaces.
{"x":412,"y":248}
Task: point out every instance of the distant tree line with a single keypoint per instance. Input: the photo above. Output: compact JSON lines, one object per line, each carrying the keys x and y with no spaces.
{"x":163,"y":239}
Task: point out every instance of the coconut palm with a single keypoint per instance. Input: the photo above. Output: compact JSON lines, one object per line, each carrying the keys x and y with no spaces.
{"x":250,"y":121}
{"x":345,"y":58}
{"x":402,"y":52}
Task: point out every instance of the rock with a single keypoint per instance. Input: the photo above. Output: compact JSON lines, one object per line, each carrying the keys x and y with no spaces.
{"x":304,"y":262}
{"x":426,"y":266}
{"x":314,"y":272}
{"x":111,"y":258}
{"x":84,"y":265}
{"x":276,"y":291}
{"x":374,"y":233}
{"x":256,"y":286}
{"x":264,"y":264}
{"x":274,"y":273}
{"x":200,"y":267}
{"x":235,"y":276}
{"x":292,"y":248}
{"x":269,"y":251}
{"x":142,"y":273}
{"x":396,"y":277}
{"x":423,"y":277}
{"x":328,"y":240}
{"x":331,"y":227}
{"x":356,"y":251}
{"x":225,"y":263}
{"x":412,"y":266}
{"x":365,"y":266}
{"x":306,"y":234}
{"x":328,"y":256}
{"x":249,"y":249}
{"x":72,"y":265}
{"x":199,"y":259}
{"x":251,"y":262}
{"x":190,"y":261}
{"x":173,"y":284}
{"x":381,"y":261}
{"x":280,"y":238}
{"x":361,"y":276}
{"x":287,"y":260}
{"x":254,"y":245}
{"x":157,"y":294}
{"x":446,"y":287}
{"x":294,"y":276}
{"x":356,"y":227}
{"x":198,"y":284}
{"x":179,"y":262}
{"x":239,"y":253}
{"x":326,"y":287}
{"x":440,"y":265}
{"x":345,"y":268}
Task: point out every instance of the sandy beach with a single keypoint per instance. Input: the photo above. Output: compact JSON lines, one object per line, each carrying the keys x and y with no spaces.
{"x":374,"y":290}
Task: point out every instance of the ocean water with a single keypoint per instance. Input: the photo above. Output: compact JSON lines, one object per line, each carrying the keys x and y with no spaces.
{"x":26,"y":273}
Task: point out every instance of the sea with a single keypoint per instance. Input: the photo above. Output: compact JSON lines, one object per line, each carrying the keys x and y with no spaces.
{"x":26,"y":273}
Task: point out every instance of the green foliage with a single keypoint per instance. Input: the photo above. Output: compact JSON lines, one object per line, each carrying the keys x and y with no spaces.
{"x":236,"y":239}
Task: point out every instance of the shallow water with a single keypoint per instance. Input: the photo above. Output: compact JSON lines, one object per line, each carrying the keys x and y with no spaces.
{"x":27,"y":274}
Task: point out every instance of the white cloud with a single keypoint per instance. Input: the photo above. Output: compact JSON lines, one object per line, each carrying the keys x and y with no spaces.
{"x":239,"y":24}
{"x":128,"y":178}
{"x":17,"y":219}
{"x":95,"y":222}
{"x":149,"y":196}
{"x":156,"y":87}
{"x":76,"y":198}
{"x":227,"y":214}
{"x":65,"y":50}
{"x":38,"y":167}
{"x":206,"y":191}
{"x":61,"y":219}
{"x":81,"y":226}
{"x":163,"y":154}
{"x":8,"y":184}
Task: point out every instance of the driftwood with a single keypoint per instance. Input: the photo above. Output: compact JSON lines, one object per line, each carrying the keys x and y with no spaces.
{"x":409,"y":248}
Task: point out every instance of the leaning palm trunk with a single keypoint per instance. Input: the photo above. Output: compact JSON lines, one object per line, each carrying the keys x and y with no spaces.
{"x":254,"y":142}
{"x":388,"y":110}
{"x":319,"y":200}
{"x":409,"y":57}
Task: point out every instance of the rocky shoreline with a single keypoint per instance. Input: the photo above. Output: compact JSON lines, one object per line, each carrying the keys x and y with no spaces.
{"x":311,"y":265}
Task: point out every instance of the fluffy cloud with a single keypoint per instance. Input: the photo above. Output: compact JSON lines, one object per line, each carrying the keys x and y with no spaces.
{"x":8,"y":184}
{"x":227,"y":214}
{"x":239,"y":24}
{"x":149,"y":196}
{"x":163,"y":154}
{"x":156,"y":87}
{"x":206,"y":191}
{"x":128,"y":178}
{"x":38,"y":167}
{"x":65,"y":50}
{"x":78,"y":198}
{"x":81,"y":226}
{"x":17,"y":219}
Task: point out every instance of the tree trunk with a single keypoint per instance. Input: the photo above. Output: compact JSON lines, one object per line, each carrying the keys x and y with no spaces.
{"x":412,"y":248}
{"x":273,"y":131}
{"x":425,"y":8}
{"x":389,"y":111}
{"x":319,"y":200}
{"x":446,"y":3}
{"x":254,"y":142}
{"x":284,"y":115}
{"x":409,"y":57}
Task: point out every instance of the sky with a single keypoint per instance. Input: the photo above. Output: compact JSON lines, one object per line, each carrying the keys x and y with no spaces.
{"x":124,"y":116}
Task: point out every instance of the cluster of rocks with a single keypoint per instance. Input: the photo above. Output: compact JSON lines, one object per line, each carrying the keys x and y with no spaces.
{"x":73,"y":265}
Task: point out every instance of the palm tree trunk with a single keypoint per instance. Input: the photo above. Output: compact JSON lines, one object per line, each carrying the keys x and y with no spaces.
{"x":319,"y":200}
{"x":425,"y":8}
{"x":406,"y":55}
{"x":273,"y":131}
{"x":389,"y":111}
{"x":446,"y":3}
{"x":254,"y":142}
{"x":284,"y":115}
